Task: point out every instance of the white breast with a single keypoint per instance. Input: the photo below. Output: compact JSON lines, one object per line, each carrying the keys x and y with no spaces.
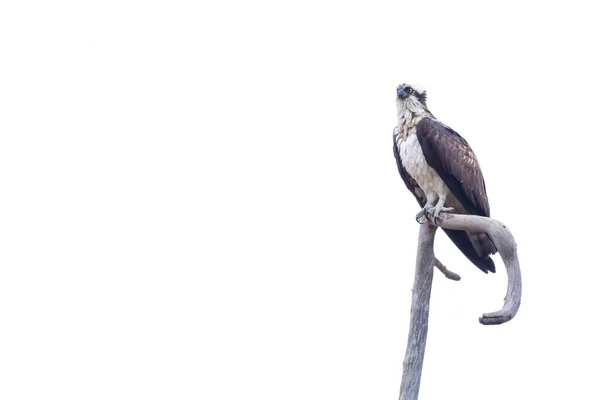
{"x":414,"y":162}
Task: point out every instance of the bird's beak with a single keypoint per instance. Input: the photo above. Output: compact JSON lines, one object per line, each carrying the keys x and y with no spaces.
{"x":402,"y":94}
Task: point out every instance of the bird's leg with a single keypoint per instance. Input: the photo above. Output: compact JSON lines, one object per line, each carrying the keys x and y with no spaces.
{"x":426,"y":209}
{"x":439,"y":207}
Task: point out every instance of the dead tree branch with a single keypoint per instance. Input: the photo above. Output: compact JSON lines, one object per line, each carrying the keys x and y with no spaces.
{"x":421,"y":292}
{"x":419,"y":315}
{"x":507,"y":247}
{"x":447,"y":273}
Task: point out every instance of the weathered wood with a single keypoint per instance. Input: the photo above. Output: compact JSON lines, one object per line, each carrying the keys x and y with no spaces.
{"x":419,"y":315}
{"x":421,"y":292}
{"x":507,"y":247}
{"x":447,"y":273}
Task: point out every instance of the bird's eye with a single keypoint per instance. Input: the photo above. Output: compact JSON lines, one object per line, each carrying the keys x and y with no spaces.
{"x":409,"y":90}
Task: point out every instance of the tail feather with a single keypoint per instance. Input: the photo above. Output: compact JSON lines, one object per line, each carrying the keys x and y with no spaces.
{"x":467,"y":245}
{"x":483,"y":243}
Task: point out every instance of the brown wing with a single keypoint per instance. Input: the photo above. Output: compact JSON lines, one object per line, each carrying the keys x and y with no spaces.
{"x":453,"y":159}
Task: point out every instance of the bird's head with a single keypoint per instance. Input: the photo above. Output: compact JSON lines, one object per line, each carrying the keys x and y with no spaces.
{"x":411,"y":97}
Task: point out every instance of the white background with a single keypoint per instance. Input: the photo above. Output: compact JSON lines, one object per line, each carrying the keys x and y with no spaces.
{"x":200,"y":200}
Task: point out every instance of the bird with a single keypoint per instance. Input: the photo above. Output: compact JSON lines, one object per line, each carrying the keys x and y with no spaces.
{"x":441,"y":170}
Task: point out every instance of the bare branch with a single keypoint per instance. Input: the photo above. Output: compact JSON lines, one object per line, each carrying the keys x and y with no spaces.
{"x":447,"y":273}
{"x":419,"y":315}
{"x":507,"y":247}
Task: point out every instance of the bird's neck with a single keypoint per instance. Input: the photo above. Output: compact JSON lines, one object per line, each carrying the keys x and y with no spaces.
{"x":408,"y":117}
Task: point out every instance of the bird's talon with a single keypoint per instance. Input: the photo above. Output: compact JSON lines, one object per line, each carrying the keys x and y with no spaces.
{"x":422,"y":212}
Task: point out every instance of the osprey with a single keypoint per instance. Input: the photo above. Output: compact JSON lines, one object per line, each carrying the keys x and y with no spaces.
{"x":440,"y":169}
